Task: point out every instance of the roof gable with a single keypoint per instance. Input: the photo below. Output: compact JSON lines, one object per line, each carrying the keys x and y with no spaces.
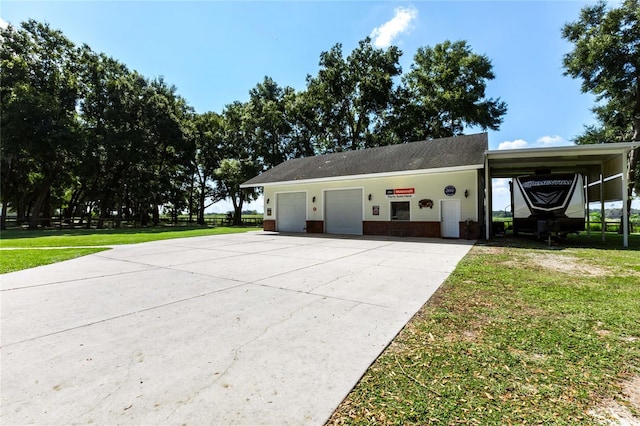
{"x":450,"y":152}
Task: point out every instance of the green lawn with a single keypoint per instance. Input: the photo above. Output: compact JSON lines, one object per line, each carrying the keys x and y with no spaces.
{"x":105,"y":237}
{"x":40,"y":247}
{"x":16,"y":260}
{"x":519,"y":334}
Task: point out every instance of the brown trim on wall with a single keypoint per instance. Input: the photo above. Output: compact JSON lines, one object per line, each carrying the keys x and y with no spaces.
{"x":269,"y":225}
{"x":402,"y":229}
{"x":469,"y":230}
{"x":315,"y":226}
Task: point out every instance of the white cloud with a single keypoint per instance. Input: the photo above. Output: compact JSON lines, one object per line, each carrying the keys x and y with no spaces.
{"x":3,"y":24}
{"x":500,"y":186}
{"x":548,"y":141}
{"x":517,"y":144}
{"x":384,"y":35}
{"x":542,"y":142}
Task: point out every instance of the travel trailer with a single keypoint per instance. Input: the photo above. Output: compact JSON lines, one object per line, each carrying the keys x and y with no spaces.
{"x":546,"y":204}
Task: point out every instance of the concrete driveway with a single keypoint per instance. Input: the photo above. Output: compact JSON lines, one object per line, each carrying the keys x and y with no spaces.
{"x":255,"y":328}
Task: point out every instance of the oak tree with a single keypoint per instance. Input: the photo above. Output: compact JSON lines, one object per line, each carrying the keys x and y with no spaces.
{"x":606,"y":57}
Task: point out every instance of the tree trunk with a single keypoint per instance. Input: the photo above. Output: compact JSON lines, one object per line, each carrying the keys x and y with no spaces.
{"x":41,"y":195}
{"x":120,"y":198}
{"x":201,"y":201}
{"x":237,"y":209}
{"x":20,"y":210}
{"x":144,"y":216}
{"x":47,"y":211}
{"x":156,"y":214}
{"x":191,"y":200}
{"x":104,"y":210}
{"x":237,"y":214}
{"x":70,"y":211}
{"x":3,"y":217}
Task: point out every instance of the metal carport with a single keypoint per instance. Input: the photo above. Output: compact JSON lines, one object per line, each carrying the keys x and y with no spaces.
{"x":603,"y":165}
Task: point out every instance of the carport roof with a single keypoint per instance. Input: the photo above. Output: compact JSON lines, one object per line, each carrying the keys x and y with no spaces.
{"x":602,"y":164}
{"x":454,"y":152}
{"x":585,"y":159}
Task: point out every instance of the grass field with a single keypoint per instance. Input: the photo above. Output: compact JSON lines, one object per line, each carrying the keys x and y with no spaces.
{"x":519,"y":334}
{"x":16,"y":260}
{"x":105,"y":237}
{"x":41,"y":247}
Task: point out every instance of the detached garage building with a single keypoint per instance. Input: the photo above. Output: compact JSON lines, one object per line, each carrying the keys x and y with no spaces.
{"x":420,"y":189}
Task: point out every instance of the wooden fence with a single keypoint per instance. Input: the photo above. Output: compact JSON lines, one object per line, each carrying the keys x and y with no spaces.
{"x":77,"y":223}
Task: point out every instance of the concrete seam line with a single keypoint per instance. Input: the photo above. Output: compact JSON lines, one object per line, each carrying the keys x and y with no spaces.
{"x":123,"y":315}
{"x":152,"y":267}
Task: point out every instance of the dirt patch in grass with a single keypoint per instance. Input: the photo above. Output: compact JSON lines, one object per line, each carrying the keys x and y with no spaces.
{"x":622,"y":411}
{"x":567,"y":264}
{"x":480,"y":250}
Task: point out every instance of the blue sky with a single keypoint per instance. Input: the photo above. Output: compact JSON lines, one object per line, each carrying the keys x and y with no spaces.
{"x":214,"y":52}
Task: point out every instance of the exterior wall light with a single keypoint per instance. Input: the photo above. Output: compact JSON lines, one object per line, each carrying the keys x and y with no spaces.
{"x":466,"y":193}
{"x":313,"y":200}
{"x":267,"y":201}
{"x":370,"y":197}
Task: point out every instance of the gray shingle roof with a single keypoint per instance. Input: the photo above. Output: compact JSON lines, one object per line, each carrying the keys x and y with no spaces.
{"x":432,"y":154}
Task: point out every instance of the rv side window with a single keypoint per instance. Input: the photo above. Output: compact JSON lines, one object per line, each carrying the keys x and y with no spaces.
{"x":400,"y":210}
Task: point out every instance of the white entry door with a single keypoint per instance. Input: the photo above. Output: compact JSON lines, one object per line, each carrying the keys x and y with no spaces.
{"x":292,"y":212}
{"x":450,"y":218}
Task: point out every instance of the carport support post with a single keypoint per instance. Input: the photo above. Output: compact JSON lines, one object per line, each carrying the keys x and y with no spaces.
{"x":586,"y":197}
{"x":603,"y":223}
{"x":487,"y":198}
{"x":625,"y":198}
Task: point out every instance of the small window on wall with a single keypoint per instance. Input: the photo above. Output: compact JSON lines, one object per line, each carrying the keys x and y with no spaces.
{"x":400,"y":210}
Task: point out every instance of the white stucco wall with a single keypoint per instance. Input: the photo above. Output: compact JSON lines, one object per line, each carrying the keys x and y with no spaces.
{"x":427,"y":186}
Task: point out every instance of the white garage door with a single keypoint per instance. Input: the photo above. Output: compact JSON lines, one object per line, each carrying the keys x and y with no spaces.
{"x":343,"y":212}
{"x":292,"y":212}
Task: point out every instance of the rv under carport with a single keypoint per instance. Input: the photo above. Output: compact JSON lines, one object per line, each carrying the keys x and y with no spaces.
{"x":604,"y":167}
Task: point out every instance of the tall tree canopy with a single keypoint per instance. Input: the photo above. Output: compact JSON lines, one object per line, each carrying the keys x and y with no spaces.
{"x":606,"y":56}
{"x":238,"y":160}
{"x":444,"y":92}
{"x":39,"y":123}
{"x":84,"y":136}
{"x":268,"y":121}
{"x":349,"y":94}
{"x":80,"y":131}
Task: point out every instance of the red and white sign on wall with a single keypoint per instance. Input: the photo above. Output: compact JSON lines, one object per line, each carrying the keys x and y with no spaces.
{"x":400,"y":192}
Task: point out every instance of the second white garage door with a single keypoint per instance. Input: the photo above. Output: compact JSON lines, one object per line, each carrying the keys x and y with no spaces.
{"x":292,"y":212}
{"x":343,"y":211}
